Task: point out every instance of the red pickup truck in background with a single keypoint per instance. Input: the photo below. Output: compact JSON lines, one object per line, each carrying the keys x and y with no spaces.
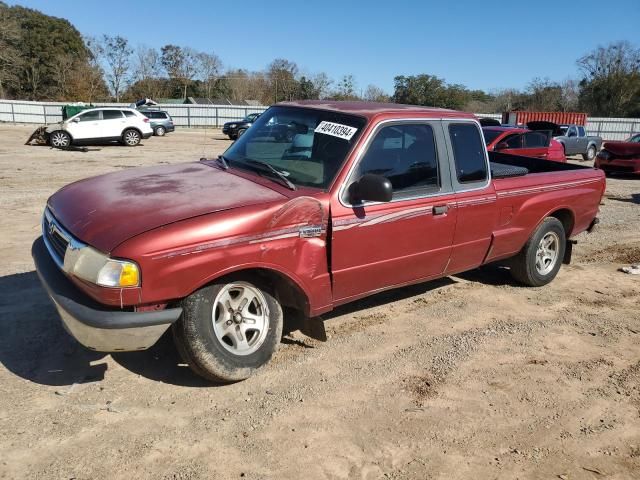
{"x":363,"y":197}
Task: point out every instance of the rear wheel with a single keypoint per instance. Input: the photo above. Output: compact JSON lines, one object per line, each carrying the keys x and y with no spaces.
{"x":540,"y":259}
{"x":160,"y":131}
{"x":131,"y":137}
{"x":229,"y":330}
{"x":591,"y":153}
{"x":60,"y":139}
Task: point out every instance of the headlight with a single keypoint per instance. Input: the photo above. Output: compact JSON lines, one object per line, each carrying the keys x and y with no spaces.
{"x":233,"y":125}
{"x":604,"y":154}
{"x":95,"y":267}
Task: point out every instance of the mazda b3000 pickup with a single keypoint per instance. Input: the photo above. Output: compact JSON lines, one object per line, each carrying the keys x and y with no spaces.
{"x":361,"y":198}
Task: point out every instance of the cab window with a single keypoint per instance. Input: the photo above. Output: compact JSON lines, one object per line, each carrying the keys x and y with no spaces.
{"x":406,"y":155}
{"x":468,"y":152}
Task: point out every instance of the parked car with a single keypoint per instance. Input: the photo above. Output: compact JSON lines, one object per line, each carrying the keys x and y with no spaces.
{"x":161,"y":121}
{"x":519,"y":141}
{"x":620,"y":157}
{"x":236,"y":129}
{"x":215,"y":249}
{"x":103,"y":124}
{"x":575,"y":140}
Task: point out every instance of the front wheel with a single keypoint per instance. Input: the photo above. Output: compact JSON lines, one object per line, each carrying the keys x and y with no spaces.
{"x":540,"y":259}
{"x":60,"y":139}
{"x":131,"y":137}
{"x":229,"y":330}
{"x":591,"y":153}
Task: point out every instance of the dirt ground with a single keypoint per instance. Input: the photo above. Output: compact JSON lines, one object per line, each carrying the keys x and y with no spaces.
{"x":471,"y":376}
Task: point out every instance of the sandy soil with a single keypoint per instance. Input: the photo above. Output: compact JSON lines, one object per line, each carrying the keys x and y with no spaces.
{"x":467,"y":377}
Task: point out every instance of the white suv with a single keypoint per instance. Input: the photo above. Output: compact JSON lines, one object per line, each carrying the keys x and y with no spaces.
{"x":101,"y":124}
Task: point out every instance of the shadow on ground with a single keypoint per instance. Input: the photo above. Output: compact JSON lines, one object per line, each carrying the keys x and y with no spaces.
{"x":35,"y":346}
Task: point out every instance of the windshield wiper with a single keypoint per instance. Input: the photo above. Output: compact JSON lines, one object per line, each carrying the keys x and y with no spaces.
{"x":223,"y":161}
{"x":264,"y":166}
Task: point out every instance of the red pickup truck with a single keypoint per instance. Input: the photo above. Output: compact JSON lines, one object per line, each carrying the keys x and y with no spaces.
{"x":362,"y":197}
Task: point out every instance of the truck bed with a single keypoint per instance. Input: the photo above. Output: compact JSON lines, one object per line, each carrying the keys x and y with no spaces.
{"x":501,"y":161}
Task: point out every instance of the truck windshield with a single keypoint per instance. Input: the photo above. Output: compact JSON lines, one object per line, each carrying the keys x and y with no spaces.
{"x":307,"y":146}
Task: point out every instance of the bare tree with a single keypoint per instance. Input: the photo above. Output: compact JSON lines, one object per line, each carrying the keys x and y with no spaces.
{"x":322,"y":84}
{"x":375,"y":94}
{"x":570,"y":93}
{"x":117,"y":54}
{"x":282,"y":75}
{"x":180,"y":63}
{"x":62,"y":70}
{"x":147,"y":63}
{"x":89,"y":78}
{"x":209,"y":67}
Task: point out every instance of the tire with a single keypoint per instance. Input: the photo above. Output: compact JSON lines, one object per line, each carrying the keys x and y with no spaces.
{"x":131,"y":137}
{"x":537,"y":264}
{"x":232,"y":137}
{"x":591,"y":153}
{"x":59,"y":139}
{"x":160,"y":131}
{"x":241,"y":132}
{"x":207,"y":335}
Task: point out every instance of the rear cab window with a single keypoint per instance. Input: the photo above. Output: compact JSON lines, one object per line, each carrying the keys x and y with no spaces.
{"x":469,"y":155}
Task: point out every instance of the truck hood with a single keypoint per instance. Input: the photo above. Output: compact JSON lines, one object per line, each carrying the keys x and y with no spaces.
{"x":105,"y":211}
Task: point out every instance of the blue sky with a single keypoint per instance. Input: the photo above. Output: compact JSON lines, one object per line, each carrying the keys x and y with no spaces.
{"x":485,"y":45}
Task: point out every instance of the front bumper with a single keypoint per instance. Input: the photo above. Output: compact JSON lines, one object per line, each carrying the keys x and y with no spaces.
{"x":94,"y":325}
{"x":618,"y":166}
{"x":227,"y":130}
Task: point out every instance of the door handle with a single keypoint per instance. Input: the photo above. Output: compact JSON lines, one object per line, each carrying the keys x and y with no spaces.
{"x":440,"y":209}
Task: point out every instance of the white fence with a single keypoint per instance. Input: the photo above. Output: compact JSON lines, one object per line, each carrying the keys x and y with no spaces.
{"x":216,"y":115}
{"x":183,"y":115}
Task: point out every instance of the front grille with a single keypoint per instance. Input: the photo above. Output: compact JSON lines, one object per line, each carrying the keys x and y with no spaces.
{"x":55,"y":239}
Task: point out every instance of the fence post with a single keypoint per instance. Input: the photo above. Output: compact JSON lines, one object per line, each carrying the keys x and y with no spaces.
{"x":44,"y":113}
{"x":13,"y":113}
{"x":188,"y":116}
{"x":217,"y":124}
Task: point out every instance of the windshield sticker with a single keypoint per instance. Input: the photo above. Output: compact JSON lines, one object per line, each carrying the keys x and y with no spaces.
{"x":336,"y":130}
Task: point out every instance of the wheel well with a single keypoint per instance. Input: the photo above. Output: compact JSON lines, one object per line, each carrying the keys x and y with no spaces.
{"x":288,"y":293}
{"x":566,"y":218}
{"x":131,"y":128}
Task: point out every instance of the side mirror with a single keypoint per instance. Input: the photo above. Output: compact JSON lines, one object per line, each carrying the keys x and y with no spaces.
{"x":76,"y":120}
{"x":501,"y":146}
{"x":372,"y":188}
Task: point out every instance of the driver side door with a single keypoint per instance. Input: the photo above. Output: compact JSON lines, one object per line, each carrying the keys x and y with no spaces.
{"x":86,"y":126}
{"x":375,"y":245}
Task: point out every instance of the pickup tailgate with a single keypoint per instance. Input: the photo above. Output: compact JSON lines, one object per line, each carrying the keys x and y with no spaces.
{"x":570,"y":192}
